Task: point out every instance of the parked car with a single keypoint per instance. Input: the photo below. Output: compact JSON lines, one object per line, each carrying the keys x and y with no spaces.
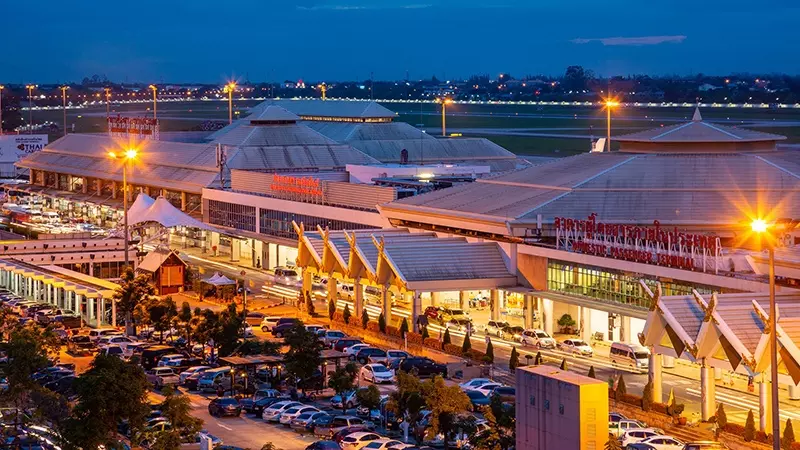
{"x":615,"y":417}
{"x":449,"y":314}
{"x":224,"y":406}
{"x":395,"y":355}
{"x":629,"y":355}
{"x":382,"y":444}
{"x":475,"y":382}
{"x":486,"y":388}
{"x":346,"y":400}
{"x":507,"y":394}
{"x":329,"y":337}
{"x":577,"y":347}
{"x":341,"y":434}
{"x":162,"y":376}
{"x":280,"y":329}
{"x":257,"y":407}
{"x":495,"y":327}
{"x":273,"y":413}
{"x":80,"y":345}
{"x":305,"y":421}
{"x":377,"y":373}
{"x":343,"y":344}
{"x":68,"y":321}
{"x":512,"y":333}
{"x":637,"y":435}
{"x":170,"y":359}
{"x":292,"y":413}
{"x":324,"y":445}
{"x":478,"y":399}
{"x":269,"y":322}
{"x":371,"y":355}
{"x":354,"y":349}
{"x":97,"y":333}
{"x":619,"y":428}
{"x":432,"y":312}
{"x":357,"y":440}
{"x":191,"y":371}
{"x":339,"y":423}
{"x":424,"y":367}
{"x":254,"y":318}
{"x":659,"y":443}
{"x":705,"y":445}
{"x":213,"y":379}
{"x":537,"y":338}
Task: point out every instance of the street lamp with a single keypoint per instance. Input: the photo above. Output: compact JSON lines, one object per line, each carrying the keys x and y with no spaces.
{"x":64,"y":106}
{"x":30,"y":88}
{"x":610,"y":103}
{"x":127,"y":157}
{"x":229,"y":88}
{"x":155,"y":104}
{"x":1,"y":109}
{"x":762,"y":229}
{"x":108,"y":101}
{"x":444,"y":101}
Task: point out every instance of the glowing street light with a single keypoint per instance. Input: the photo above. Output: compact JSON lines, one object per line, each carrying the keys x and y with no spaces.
{"x":1,"y":109}
{"x":610,"y":104}
{"x":229,"y":88}
{"x":127,"y":157}
{"x":324,"y":90}
{"x":108,"y":101}
{"x":444,"y":101}
{"x":64,"y":105}
{"x":30,"y":88}
{"x":155,"y":104}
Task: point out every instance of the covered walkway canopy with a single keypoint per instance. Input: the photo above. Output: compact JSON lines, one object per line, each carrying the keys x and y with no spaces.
{"x":63,"y":288}
{"x":727,"y":332}
{"x":405,"y":263}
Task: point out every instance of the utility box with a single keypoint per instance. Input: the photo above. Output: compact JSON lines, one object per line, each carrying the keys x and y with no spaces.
{"x":560,"y":410}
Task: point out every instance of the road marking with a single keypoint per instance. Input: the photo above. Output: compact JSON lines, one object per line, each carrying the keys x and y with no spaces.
{"x":742,"y":402}
{"x":225,"y":426}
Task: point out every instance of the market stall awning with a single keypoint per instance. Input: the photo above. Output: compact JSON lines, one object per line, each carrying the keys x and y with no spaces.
{"x":219,"y":280}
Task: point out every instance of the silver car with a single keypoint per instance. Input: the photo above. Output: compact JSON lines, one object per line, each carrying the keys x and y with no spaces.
{"x":273,"y":413}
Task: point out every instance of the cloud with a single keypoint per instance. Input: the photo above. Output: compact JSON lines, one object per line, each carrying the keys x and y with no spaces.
{"x":361,"y":7}
{"x":633,"y":41}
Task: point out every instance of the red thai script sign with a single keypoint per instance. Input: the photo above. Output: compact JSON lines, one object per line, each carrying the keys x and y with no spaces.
{"x":139,"y":126}
{"x":297,"y":185}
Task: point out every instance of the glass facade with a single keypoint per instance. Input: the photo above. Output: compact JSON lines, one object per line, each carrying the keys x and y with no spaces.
{"x":231,"y":215}
{"x":612,"y":286}
{"x":279,"y":223}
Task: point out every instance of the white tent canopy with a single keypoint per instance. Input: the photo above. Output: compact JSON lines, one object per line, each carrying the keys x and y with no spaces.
{"x":165,"y":214}
{"x":142,"y":203}
{"x":220,"y":280}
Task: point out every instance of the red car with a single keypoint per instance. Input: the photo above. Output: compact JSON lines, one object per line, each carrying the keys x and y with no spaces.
{"x":433,"y":312}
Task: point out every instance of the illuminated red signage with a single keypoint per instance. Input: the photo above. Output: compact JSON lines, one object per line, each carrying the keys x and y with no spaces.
{"x":138,"y":126}
{"x":297,"y":185}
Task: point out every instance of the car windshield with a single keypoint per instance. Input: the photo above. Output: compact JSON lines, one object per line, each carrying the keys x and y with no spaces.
{"x":336,"y":334}
{"x":379,"y":368}
{"x":541,"y":334}
{"x":579,"y":343}
{"x":456,"y":312}
{"x":642,"y":355}
{"x":475,"y":394}
{"x":228,"y":401}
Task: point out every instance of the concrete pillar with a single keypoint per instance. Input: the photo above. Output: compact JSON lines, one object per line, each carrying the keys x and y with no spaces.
{"x":258,"y":220}
{"x":654,"y":376}
{"x":494,"y":304}
{"x":794,"y":392}
{"x":78,"y":307}
{"x":764,"y":405}
{"x":98,"y":303}
{"x":586,"y":323}
{"x":463,"y":300}
{"x":512,"y":257}
{"x":436,"y":298}
{"x":85,"y":185}
{"x":114,"y":189}
{"x":386,"y":305}
{"x":547,"y":316}
{"x":358,"y":297}
{"x":214,"y":242}
{"x":667,"y":361}
{"x":707,"y":396}
{"x":236,"y":249}
{"x":333,"y":292}
{"x":527,"y":311}
{"x":113,"y":313}
{"x":625,"y":329}
{"x":416,"y":311}
{"x":99,"y":187}
{"x":183,"y":201}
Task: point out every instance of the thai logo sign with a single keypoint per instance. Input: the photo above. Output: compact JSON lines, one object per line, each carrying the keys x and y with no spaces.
{"x":643,"y":244}
{"x":140,"y":127}
{"x":296,"y":188}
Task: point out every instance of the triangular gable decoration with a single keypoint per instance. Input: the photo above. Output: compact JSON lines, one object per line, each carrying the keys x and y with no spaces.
{"x":677,"y":343}
{"x":733,"y":356}
{"x":791,"y":365}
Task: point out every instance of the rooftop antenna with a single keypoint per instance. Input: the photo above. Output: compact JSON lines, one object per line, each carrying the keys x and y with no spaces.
{"x":371,"y":84}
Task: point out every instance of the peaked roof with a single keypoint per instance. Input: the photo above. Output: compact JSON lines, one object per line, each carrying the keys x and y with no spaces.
{"x":155,"y":259}
{"x":273,"y":113}
{"x":165,"y":214}
{"x":329,"y":108}
{"x":142,"y":203}
{"x":698,"y":130}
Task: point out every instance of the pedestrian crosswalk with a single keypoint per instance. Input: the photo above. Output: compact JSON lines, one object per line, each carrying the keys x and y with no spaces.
{"x":740,"y":403}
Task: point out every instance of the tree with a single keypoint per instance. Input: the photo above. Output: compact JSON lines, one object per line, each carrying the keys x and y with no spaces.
{"x":382,"y":323}
{"x":342,"y":381}
{"x":613,"y":444}
{"x":364,"y":318}
{"x":576,"y":78}
{"x":749,"y":427}
{"x":310,"y":309}
{"x":513,"y":361}
{"x":369,"y":398}
{"x":621,"y":389}
{"x":788,"y":436}
{"x":466,"y":346}
{"x":445,"y":403}
{"x":303,"y":358}
{"x":489,"y":358}
{"x":229,"y":330}
{"x":538,"y":361}
{"x":406,"y":401}
{"x":111,"y":391}
{"x":722,"y":418}
{"x":178,"y":409}
{"x":647,"y":396}
{"x":331,"y":309}
{"x":446,"y":340}
{"x":591,"y":373}
{"x":185,"y":318}
{"x":425,"y":334}
{"x":257,"y":347}
{"x":132,"y":291}
{"x":160,"y":313}
{"x":403,"y":328}
{"x":269,"y":446}
{"x":563,"y":365}
{"x":346,"y":314}
{"x":501,"y":433}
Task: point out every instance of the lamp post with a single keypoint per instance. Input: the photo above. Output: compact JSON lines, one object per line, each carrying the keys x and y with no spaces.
{"x":244,"y":303}
{"x":229,"y":88}
{"x":445,"y":101}
{"x":155,"y":104}
{"x":30,"y":88}
{"x":1,"y":109}
{"x":761,"y":228}
{"x":108,"y":101}
{"x":610,"y":103}
{"x":127,"y":157}
{"x":64,"y":106}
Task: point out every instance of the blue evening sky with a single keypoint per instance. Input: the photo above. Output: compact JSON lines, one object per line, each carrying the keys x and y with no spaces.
{"x":209,"y":41}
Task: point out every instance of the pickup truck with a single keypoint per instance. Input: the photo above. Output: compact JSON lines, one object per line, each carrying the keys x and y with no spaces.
{"x":162,"y":376}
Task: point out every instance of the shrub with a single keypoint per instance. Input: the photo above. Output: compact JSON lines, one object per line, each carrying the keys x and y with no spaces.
{"x":734,"y":428}
{"x":631,"y":399}
{"x":566,"y":321}
{"x":466,"y":346}
{"x":346,"y":314}
{"x":425,"y":334}
{"x":373,"y":326}
{"x":446,"y":340}
{"x":393,"y":331}
{"x":621,"y":389}
{"x":647,"y":396}
{"x":382,"y":323}
{"x":722,"y":418}
{"x":513,"y":360}
{"x":762,"y":437}
{"x":477,"y":355}
{"x":403,"y":328}
{"x":749,"y":432}
{"x":659,"y":407}
{"x":563,"y":365}
{"x":591,"y":373}
{"x":489,"y":352}
{"x":452,"y":349}
{"x":788,"y":436}
{"x":338,"y":317}
{"x":331,"y":309}
{"x":414,"y":338}
{"x":432,"y":343}
{"x":364,"y":319}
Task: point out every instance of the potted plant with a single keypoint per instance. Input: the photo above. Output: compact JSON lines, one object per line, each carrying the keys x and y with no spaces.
{"x":675,"y":410}
{"x":567,"y":324}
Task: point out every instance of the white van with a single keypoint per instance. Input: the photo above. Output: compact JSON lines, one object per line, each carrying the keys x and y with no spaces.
{"x":212,"y":379}
{"x":97,"y":333}
{"x":630,"y":355}
{"x":51,"y":217}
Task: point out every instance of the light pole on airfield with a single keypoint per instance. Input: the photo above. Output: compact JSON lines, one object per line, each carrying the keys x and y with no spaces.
{"x":229,"y":88}
{"x":1,"y":109}
{"x":610,"y":104}
{"x":155,"y":103}
{"x":30,"y":88}
{"x":64,"y":106}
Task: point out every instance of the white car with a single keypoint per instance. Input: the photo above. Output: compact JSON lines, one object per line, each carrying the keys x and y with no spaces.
{"x":495,"y":327}
{"x":292,"y":413}
{"x":169,"y":360}
{"x":268,"y":323}
{"x":122,"y":341}
{"x":537,"y":338}
{"x":577,"y":347}
{"x":191,"y":371}
{"x":355,"y":441}
{"x":663,"y":443}
{"x":377,"y":373}
{"x":486,"y":388}
{"x":473,"y":383}
{"x":382,"y":444}
{"x":635,"y":436}
{"x":273,"y":413}
{"x":353,"y":350}
{"x":393,"y":355}
{"x":248,"y":331}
